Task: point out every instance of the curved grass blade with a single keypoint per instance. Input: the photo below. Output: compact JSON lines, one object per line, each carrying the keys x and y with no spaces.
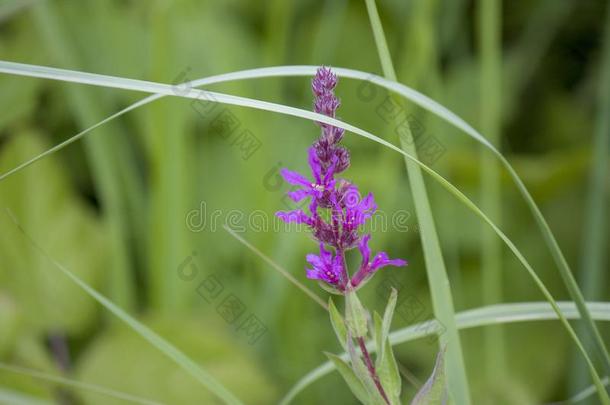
{"x":490,"y":60}
{"x":157,"y":341}
{"x":77,"y":384}
{"x":404,"y":91}
{"x":12,"y":397}
{"x":278,"y":268}
{"x":438,"y":280}
{"x":594,"y":256}
{"x":144,"y":86}
{"x":485,"y":316}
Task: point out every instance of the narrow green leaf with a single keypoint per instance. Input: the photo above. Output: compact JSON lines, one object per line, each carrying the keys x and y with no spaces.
{"x":388,"y":373}
{"x":161,"y":344}
{"x":361,"y":371}
{"x":489,"y":315}
{"x":434,"y":391}
{"x":67,"y":382}
{"x":12,"y":397}
{"x":438,"y":280}
{"x":338,"y":324}
{"x":354,"y":384}
{"x":418,"y":98}
{"x":379,"y":338}
{"x":387,"y":320}
{"x":355,"y":315}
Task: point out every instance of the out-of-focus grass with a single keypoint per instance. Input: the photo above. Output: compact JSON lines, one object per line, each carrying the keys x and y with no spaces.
{"x":545,"y":80}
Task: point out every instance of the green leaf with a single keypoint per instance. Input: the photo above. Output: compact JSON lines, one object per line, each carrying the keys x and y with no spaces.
{"x":387,"y":322}
{"x":408,"y":93}
{"x":478,"y":317}
{"x":355,"y":317}
{"x":434,"y":391}
{"x":378,"y":323}
{"x":354,"y":384}
{"x":338,"y":324}
{"x":438,"y":280}
{"x":387,"y":369}
{"x":362,"y":372}
{"x":165,"y":347}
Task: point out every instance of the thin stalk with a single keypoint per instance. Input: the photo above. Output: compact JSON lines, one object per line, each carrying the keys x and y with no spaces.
{"x":371,"y":367}
{"x":162,"y":89}
{"x":595,"y":235}
{"x":491,"y":249}
{"x":102,"y":154}
{"x":438,"y":280}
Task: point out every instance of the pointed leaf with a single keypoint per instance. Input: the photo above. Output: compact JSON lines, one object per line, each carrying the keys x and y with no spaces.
{"x":387,"y":322}
{"x":359,"y":368}
{"x":338,"y":324}
{"x":354,"y":384}
{"x":355,"y":315}
{"x":434,"y":391}
{"x":388,"y":373}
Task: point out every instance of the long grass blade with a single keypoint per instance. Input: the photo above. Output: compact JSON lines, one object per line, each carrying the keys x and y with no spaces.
{"x":438,"y":280}
{"x":11,"y":397}
{"x":67,"y":382}
{"x":474,"y":318}
{"x":130,"y":84}
{"x":491,"y":250}
{"x":157,"y":341}
{"x":594,"y":251}
{"x":278,"y":268}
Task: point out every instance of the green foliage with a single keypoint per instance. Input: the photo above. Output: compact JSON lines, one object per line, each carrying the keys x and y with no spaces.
{"x":434,"y":391}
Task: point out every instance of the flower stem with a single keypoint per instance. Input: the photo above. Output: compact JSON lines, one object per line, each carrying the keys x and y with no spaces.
{"x":371,"y":367}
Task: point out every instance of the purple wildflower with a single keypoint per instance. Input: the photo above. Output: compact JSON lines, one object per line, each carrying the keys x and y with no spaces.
{"x":368,"y":267}
{"x":347,"y":210}
{"x":327,"y":268}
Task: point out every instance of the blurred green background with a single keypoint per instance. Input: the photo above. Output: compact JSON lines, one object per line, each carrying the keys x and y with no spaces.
{"x":137,"y":207}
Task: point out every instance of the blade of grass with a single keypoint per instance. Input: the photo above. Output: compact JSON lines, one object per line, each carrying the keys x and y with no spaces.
{"x":491,"y":250}
{"x":77,"y":384}
{"x":595,"y":232}
{"x":438,"y":281}
{"x":10,"y":397}
{"x":102,"y":152}
{"x":109,"y":81}
{"x":154,"y":339}
{"x":474,"y":318}
{"x":278,"y":268}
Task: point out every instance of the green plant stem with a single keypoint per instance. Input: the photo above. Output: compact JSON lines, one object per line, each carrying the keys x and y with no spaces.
{"x":595,"y":232}
{"x":438,"y":280}
{"x":491,"y":250}
{"x":371,"y":367}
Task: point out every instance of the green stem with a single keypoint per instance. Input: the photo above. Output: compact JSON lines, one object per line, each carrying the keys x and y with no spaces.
{"x":438,"y":280}
{"x":491,"y":252}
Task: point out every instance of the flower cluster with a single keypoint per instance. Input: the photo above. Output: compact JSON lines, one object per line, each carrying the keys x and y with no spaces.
{"x":336,"y":210}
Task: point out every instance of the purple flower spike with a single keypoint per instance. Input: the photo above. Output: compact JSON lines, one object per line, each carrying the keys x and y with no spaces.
{"x":337,"y":212}
{"x":367,"y":268}
{"x":326,"y":268}
{"x":323,"y":182}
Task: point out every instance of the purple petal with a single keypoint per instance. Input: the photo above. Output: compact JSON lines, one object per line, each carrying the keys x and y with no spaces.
{"x":382,"y":260}
{"x":365,"y":250}
{"x":326,"y":255}
{"x":314,"y":163}
{"x":298,"y":195}
{"x":295,"y":178}
{"x":297,"y":216}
